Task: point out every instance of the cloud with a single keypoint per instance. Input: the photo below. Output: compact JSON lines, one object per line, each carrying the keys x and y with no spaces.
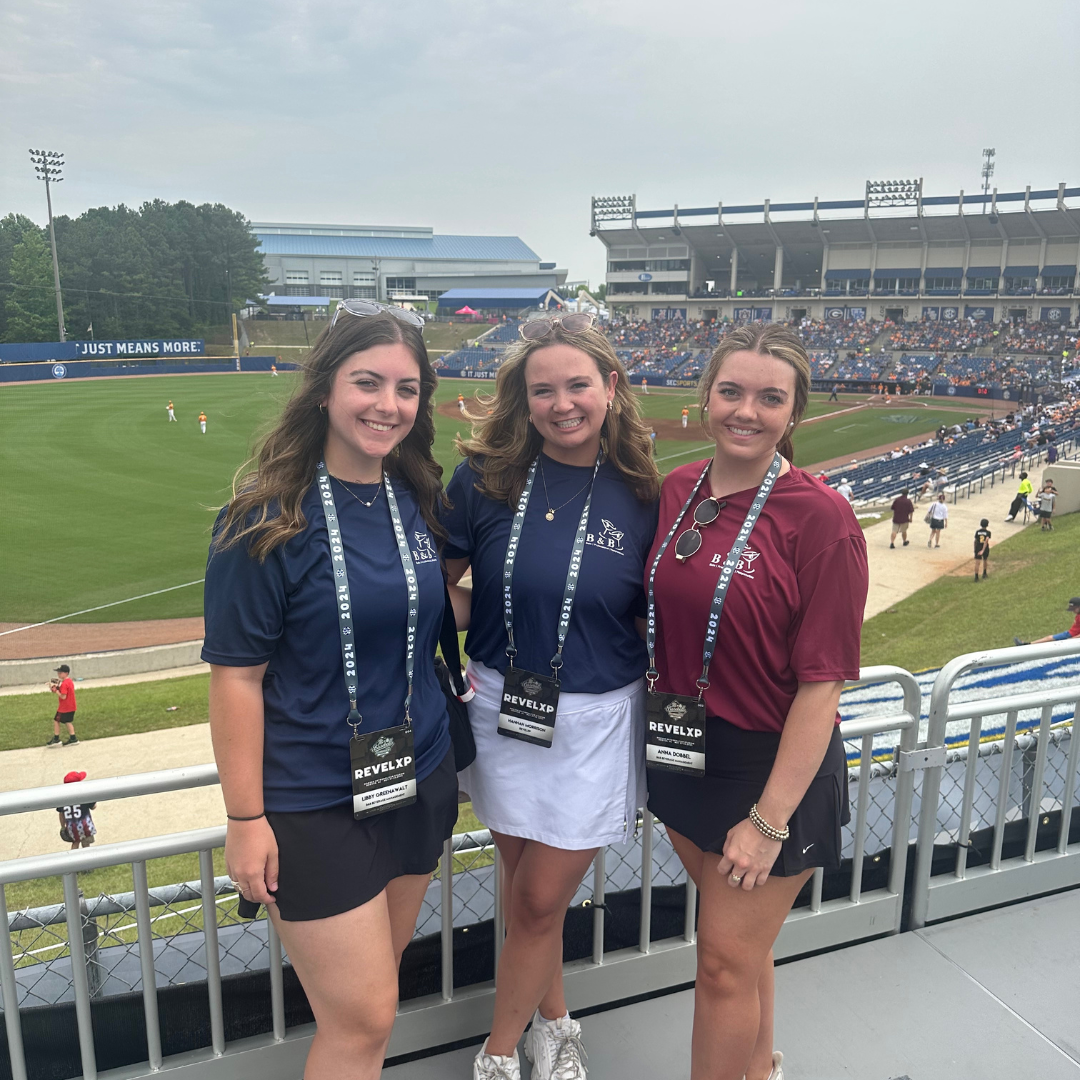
{"x":493,"y":116}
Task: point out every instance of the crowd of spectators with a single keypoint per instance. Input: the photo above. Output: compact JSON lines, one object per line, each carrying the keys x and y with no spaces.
{"x":839,"y":334}
{"x":939,"y":336}
{"x":1036,"y":337}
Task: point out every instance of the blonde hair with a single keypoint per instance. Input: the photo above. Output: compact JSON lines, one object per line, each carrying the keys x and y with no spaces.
{"x":504,"y":443}
{"x":765,"y":339}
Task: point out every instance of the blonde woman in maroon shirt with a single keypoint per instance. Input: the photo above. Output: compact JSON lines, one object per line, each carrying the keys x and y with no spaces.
{"x":764,"y":804}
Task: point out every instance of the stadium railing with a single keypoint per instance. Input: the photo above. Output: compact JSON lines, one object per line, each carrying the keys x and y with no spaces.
{"x":96,"y":962}
{"x":997,"y":837}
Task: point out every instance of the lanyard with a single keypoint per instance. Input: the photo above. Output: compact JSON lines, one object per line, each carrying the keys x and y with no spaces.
{"x":726,"y":573}
{"x":344,"y":602}
{"x":571,"y":574}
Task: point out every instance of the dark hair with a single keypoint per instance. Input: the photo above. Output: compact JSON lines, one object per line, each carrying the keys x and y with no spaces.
{"x":265,"y":507}
{"x":984,"y":523}
{"x":903,"y":491}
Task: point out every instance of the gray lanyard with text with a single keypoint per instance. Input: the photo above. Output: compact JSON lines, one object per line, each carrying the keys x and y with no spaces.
{"x":726,"y":573}
{"x":344,"y":603}
{"x":571,"y":575}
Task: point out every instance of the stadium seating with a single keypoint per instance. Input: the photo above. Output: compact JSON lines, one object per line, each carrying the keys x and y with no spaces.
{"x":503,"y":334}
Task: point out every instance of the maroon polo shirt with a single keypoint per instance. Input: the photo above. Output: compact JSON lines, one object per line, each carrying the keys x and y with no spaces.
{"x":794,"y":608}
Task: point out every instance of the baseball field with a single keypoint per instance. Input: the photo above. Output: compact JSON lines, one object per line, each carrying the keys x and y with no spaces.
{"x":105,"y":499}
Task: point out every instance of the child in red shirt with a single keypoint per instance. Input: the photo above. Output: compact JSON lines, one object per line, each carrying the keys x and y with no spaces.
{"x":64,"y":689}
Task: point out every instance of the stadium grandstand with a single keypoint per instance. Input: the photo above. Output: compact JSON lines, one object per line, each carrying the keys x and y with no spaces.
{"x":999,"y":257}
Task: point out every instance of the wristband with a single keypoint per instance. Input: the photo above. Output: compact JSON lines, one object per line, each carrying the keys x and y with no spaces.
{"x":255,"y":818}
{"x":765,"y":828}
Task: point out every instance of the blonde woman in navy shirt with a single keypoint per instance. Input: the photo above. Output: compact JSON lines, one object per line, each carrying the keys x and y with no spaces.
{"x":554,"y":512}
{"x":333,"y":541}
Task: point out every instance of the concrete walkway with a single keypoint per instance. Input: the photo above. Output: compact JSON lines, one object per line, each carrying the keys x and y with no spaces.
{"x":125,"y":819}
{"x":897,"y":573}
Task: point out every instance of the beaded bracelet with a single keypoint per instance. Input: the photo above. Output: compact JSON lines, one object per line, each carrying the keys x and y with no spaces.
{"x":765,"y":828}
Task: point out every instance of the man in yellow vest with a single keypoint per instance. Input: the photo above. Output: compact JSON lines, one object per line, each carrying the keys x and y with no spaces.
{"x":1021,"y":499}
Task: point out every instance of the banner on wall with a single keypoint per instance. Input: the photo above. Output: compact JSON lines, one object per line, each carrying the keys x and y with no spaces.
{"x":136,"y":348}
{"x":858,"y":313}
{"x":931,"y":314}
{"x":950,"y":314}
{"x":743,"y":314}
{"x":669,"y":313}
{"x":1054,"y":315}
{"x":763,"y":314}
{"x":839,"y":314}
{"x":979,"y":314}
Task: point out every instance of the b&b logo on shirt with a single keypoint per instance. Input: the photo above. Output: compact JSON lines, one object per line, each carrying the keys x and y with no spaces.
{"x":610,"y":539}
{"x":745,"y":565}
{"x":423,"y":552}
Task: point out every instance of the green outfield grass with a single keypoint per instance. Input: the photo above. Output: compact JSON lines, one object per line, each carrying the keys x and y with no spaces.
{"x":104,"y":499}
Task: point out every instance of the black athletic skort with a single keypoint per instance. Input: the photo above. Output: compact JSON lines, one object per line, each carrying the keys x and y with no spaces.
{"x":328,"y":862}
{"x":737,"y":767}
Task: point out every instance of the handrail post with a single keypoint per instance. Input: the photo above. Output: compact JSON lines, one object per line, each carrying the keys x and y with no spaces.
{"x":213,"y":957}
{"x":83,"y":1018}
{"x":598,"y":893}
{"x":277,"y":980}
{"x":12,"y":1015}
{"x":645,"y":927}
{"x":446,"y":919}
{"x":146,"y":964}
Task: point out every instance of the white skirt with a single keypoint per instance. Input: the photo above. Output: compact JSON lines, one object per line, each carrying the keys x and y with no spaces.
{"x":581,"y":792}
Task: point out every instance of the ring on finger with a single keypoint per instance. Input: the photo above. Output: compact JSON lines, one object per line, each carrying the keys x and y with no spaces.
{"x":735,"y":878}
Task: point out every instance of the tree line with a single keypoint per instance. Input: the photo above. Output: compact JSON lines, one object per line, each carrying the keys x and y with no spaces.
{"x":163,"y":270}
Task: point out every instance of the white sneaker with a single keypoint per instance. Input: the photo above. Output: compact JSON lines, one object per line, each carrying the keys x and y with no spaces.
{"x":495,"y":1067}
{"x":777,"y":1066}
{"x":554,"y":1047}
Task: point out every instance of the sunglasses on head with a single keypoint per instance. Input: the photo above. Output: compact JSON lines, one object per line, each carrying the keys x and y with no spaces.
{"x":538,"y":329}
{"x":364,"y":308}
{"x":689,"y":540}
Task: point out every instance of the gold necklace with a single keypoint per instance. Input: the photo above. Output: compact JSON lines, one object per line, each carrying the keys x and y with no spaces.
{"x":357,"y":497}
{"x":550,"y":515}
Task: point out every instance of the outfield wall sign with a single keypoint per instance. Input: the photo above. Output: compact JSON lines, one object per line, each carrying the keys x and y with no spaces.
{"x":132,"y":348}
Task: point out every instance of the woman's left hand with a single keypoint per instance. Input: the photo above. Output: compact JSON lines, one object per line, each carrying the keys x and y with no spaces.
{"x":748,"y":856}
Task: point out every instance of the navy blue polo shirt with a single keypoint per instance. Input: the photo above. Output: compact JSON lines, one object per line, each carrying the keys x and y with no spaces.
{"x":603,"y":648}
{"x":283,"y":612}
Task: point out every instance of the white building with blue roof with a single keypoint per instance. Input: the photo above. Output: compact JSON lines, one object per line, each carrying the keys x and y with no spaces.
{"x":394,"y":263}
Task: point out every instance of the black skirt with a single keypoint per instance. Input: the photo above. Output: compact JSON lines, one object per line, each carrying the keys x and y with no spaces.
{"x":328,"y":862}
{"x":737,"y":767}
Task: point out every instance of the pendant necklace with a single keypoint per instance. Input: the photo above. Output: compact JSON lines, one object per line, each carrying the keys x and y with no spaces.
{"x":362,"y":502}
{"x":550,"y":515}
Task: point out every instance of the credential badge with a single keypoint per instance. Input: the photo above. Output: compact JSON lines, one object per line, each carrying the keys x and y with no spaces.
{"x":676,"y":710}
{"x":382,"y":747}
{"x":530,"y":686}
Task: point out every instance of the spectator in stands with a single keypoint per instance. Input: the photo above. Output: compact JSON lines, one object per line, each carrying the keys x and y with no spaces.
{"x":1051,"y":454}
{"x":1046,"y":499}
{"x":845,"y":489}
{"x":553,"y":795}
{"x":982,"y":546}
{"x":64,"y":689}
{"x":768,"y":802}
{"x":341,"y":862}
{"x":937,"y":517}
{"x":76,"y":825}
{"x":1072,"y":632}
{"x":1021,"y":500}
{"x":903,"y":510}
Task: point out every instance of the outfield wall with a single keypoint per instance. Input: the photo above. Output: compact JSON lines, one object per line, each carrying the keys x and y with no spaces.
{"x":98,"y":369}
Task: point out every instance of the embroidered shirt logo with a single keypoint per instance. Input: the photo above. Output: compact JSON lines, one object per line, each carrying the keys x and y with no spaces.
{"x":610,"y":539}
{"x":531,"y":686}
{"x":676,"y":710}
{"x":382,"y":747}
{"x":423,"y":552}
{"x":745,"y":565}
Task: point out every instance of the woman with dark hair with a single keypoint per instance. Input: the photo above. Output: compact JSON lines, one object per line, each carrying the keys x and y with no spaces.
{"x":324,"y":599}
{"x":757,"y":583}
{"x":554,"y":510}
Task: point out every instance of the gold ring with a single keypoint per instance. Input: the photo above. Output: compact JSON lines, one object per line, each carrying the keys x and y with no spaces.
{"x":736,"y":878}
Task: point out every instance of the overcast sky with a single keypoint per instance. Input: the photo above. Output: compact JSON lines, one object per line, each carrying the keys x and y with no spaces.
{"x":497,"y":117}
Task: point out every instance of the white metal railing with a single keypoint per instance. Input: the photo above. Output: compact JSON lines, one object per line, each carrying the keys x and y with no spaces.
{"x":999,"y":880}
{"x":455,"y":1013}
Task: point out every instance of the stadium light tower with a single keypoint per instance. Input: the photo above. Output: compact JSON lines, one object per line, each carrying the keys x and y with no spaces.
{"x":987,"y":172}
{"x":48,"y":165}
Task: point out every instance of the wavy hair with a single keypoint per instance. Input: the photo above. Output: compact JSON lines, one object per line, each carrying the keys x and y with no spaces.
{"x":504,"y":444}
{"x":269,"y":488}
{"x":765,"y":339}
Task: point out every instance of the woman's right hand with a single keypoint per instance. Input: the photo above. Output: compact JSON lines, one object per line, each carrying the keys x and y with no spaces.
{"x":251,"y":859}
